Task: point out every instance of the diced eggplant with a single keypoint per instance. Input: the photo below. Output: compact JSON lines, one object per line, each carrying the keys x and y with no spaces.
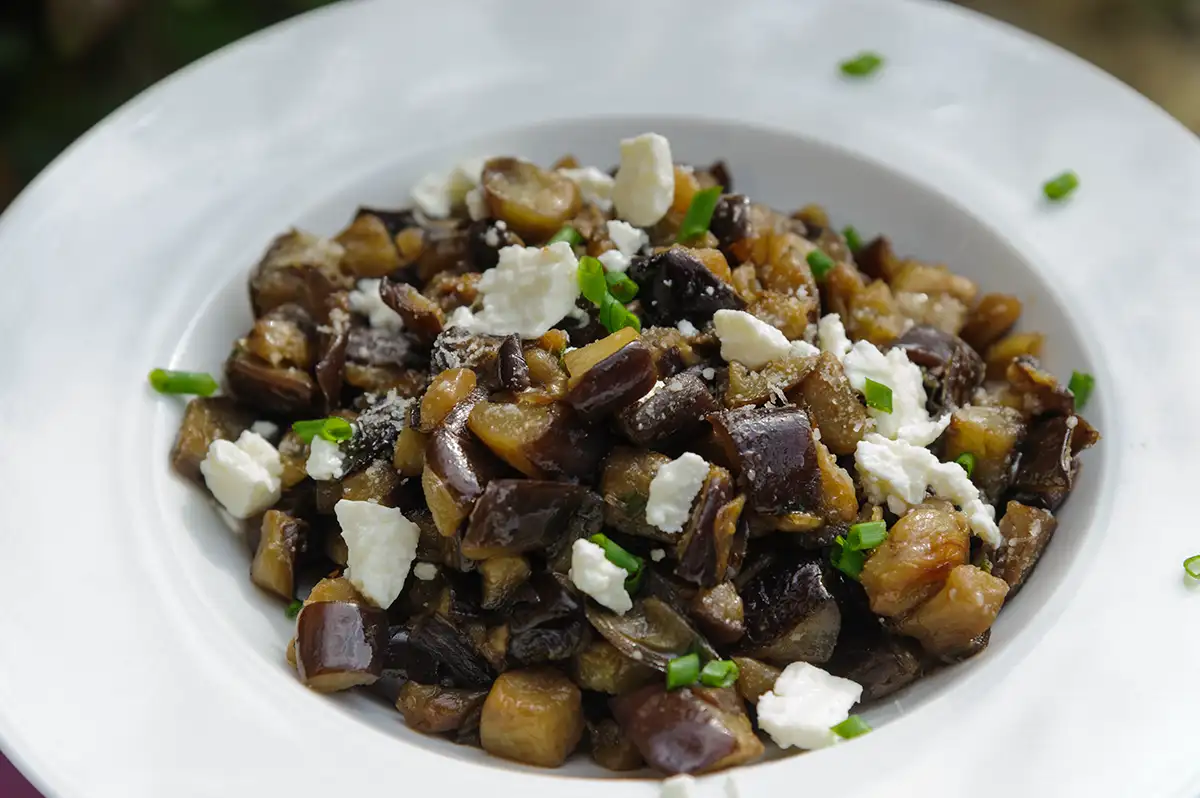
{"x":991,"y":435}
{"x":613,"y":383}
{"x":206,"y":419}
{"x":540,"y":441}
{"x":457,"y":469}
{"x":514,"y":516}
{"x":1026,"y":532}
{"x":330,"y":369}
{"x":773,"y":453}
{"x":485,"y":239}
{"x":253,"y":382}
{"x":791,"y":314}
{"x":282,"y":337}
{"x":1000,"y":354}
{"x":731,"y":219}
{"x":990,"y":320}
{"x":611,"y":749}
{"x":533,"y":716}
{"x":871,"y":655}
{"x":444,"y":393}
{"x":691,"y":730}
{"x":948,"y":624}
{"x":1048,"y":465}
{"x":1039,"y":390}
{"x":670,"y":414}
{"x":512,"y":372}
{"x":371,"y":346}
{"x":652,"y":633}
{"x":547,"y":623}
{"x":456,"y":661}
{"x":952,"y":369}
{"x":456,"y":348}
{"x":719,"y":613}
{"x":912,"y":563}
{"x":702,"y":554}
{"x":878,"y":260}
{"x":381,"y":380}
{"x":284,"y":274}
{"x":790,"y":613}
{"x":274,"y":566}
{"x":339,"y":644}
{"x":671,"y":350}
{"x":370,"y":250}
{"x":754,"y":678}
{"x":444,"y":248}
{"x":433,"y":709}
{"x":375,"y":433}
{"x":838,"y":497}
{"x":675,"y":285}
{"x":422,"y":316}
{"x":408,"y":455}
{"x":625,"y":484}
{"x":833,"y":406}
{"x":599,"y":666}
{"x":534,"y":202}
{"x":746,"y":387}
{"x":502,"y":576}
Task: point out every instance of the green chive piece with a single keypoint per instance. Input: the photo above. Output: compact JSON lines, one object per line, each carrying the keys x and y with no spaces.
{"x":332,"y":429}
{"x":853,"y":240}
{"x":878,"y":396}
{"x":866,"y":535}
{"x":862,"y":64}
{"x":616,"y":554}
{"x":1192,"y":566}
{"x":294,"y":608}
{"x":820,"y":263}
{"x":183,"y":382}
{"x":699,"y":213}
{"x":847,"y":560}
{"x":567,"y":233}
{"x":621,"y":287}
{"x":683,"y":671}
{"x":591,"y":280}
{"x":1081,"y":385}
{"x":851,"y":727}
{"x":719,"y":673}
{"x":1059,"y":188}
{"x":967,"y":461}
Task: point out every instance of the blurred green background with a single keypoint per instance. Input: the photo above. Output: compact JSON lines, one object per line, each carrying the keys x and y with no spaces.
{"x":64,"y":64}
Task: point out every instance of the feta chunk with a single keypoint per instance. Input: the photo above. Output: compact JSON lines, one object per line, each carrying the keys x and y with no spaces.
{"x":477,"y":207}
{"x":425,"y":571}
{"x":803,"y":349}
{"x":900,"y":473}
{"x":437,"y":195}
{"x":681,"y":786}
{"x":804,"y":703}
{"x":629,"y":241}
{"x":325,"y":460}
{"x":366,"y":300}
{"x":381,"y":545}
{"x":658,"y":555}
{"x":266,"y":429}
{"x":909,"y":420}
{"x":748,"y":340}
{"x":592,"y":573}
{"x":595,"y":186}
{"x":645,"y":184}
{"x":529,"y":291}
{"x":243,"y":476}
{"x":686,"y":328}
{"x":831,"y":335}
{"x":673,"y":490}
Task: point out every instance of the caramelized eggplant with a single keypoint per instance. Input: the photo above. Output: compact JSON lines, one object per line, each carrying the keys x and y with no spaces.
{"x":457,"y":469}
{"x":950,"y":623}
{"x":731,"y":220}
{"x":433,"y":709}
{"x":502,"y":577}
{"x":773,"y":451}
{"x":547,"y":624}
{"x":669,"y":414}
{"x":375,"y":433}
{"x":456,"y":348}
{"x":754,"y":678}
{"x":991,"y":435}
{"x":1026,"y":532}
{"x":444,"y":393}
{"x":330,"y":370}
{"x":625,"y":484}
{"x":370,"y":250}
{"x":613,"y":383}
{"x":485,"y":239}
{"x":652,"y":633}
{"x":719,"y":613}
{"x":339,"y":644}
{"x":540,"y":441}
{"x":274,"y":566}
{"x":951,"y":368}
{"x":206,"y":419}
{"x":423,"y":319}
{"x":599,"y":666}
{"x":913,"y":561}
{"x":435,"y":640}
{"x":790,"y":613}
{"x":675,"y":286}
{"x":1049,"y":460}
{"x":533,"y":716}
{"x":990,"y":320}
{"x":284,"y":274}
{"x":514,"y":516}
{"x":702,"y":555}
{"x":1040,"y":391}
{"x":285,"y":391}
{"x":534,"y":202}
{"x":611,"y":749}
{"x":512,"y":372}
{"x":833,"y":406}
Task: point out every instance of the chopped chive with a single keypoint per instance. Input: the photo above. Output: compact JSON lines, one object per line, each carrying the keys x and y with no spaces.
{"x":847,"y":560}
{"x":616,"y":554}
{"x":861,"y":65}
{"x":878,"y":396}
{"x":332,"y":429}
{"x":621,"y":287}
{"x":294,"y":608}
{"x":851,"y":727}
{"x":1192,"y":566}
{"x":854,"y":241}
{"x":967,"y":461}
{"x":1060,"y":187}
{"x":183,"y":382}
{"x":683,"y":671}
{"x":820,"y":263}
{"x":566,"y":233}
{"x":1081,"y":386}
{"x":866,"y":535}
{"x":699,"y":213}
{"x":719,"y":673}
{"x":591,"y":280}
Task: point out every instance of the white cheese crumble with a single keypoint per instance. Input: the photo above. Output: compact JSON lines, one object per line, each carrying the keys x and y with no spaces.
{"x":592,"y":573}
{"x":325,"y":460}
{"x":909,"y":420}
{"x":365,"y":300}
{"x":595,"y":186}
{"x":681,"y":786}
{"x":749,"y":340}
{"x":803,"y":349}
{"x":439,"y":194}
{"x":243,"y":476}
{"x":381,"y":545}
{"x":645,"y":184}
{"x":686,"y":328}
{"x":629,"y":241}
{"x":708,"y":373}
{"x":425,"y":571}
{"x":529,"y":291}
{"x":900,"y":473}
{"x":831,"y":335}
{"x":477,"y":207}
{"x":266,"y":429}
{"x":803,"y":706}
{"x":673,"y":489}
{"x":658,"y":555}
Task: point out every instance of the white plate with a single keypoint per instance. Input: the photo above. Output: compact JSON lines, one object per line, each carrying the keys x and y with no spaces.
{"x":136,"y":659}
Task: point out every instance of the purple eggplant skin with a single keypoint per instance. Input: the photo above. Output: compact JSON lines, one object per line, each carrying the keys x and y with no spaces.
{"x":773,"y":451}
{"x":514,"y":516}
{"x":456,"y":348}
{"x":653,"y":633}
{"x":331,"y":361}
{"x":283,"y":391}
{"x":435,"y":639}
{"x":459,"y":460}
{"x":731,"y":220}
{"x":614,"y":383}
{"x":340,"y":644}
{"x":669,"y":414}
{"x":512,"y":372}
{"x":675,"y":286}
{"x":702,"y":556}
{"x":790,"y":612}
{"x":1049,"y":461}
{"x":375,"y":433}
{"x":547,"y":623}
{"x":952,"y":369}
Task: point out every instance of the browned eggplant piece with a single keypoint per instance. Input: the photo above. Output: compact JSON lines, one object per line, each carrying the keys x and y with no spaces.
{"x":282,"y":336}
{"x":514,"y":516}
{"x":444,"y":248}
{"x":1039,"y":390}
{"x":746,"y":387}
{"x":283,"y":391}
{"x":950,"y":623}
{"x":871,"y":655}
{"x":731,"y":220}
{"x":625,"y":484}
{"x":671,"y":413}
{"x":652,"y":633}
{"x":912,"y":563}
{"x":540,"y":441}
{"x":339,"y":644}
{"x":600,"y":667}
{"x":382,"y":380}
{"x":370,"y":250}
{"x":1049,"y":460}
{"x":375,"y":433}
{"x":990,"y":320}
{"x":675,"y":285}
{"x":533,"y":716}
{"x":274,"y":565}
{"x":773,"y":453}
{"x":671,"y":350}
{"x":547,"y":623}
{"x":433,"y":709}
{"x":502,"y":576}
{"x":378,"y":482}
{"x":754,"y":678}
{"x":702,"y":555}
{"x":206,"y":419}
{"x":790,"y":613}
{"x":951,"y":368}
{"x":838,"y":496}
{"x":408,"y":455}
{"x":330,"y":370}
{"x":438,"y":652}
{"x":283,"y":275}
{"x":719,"y":613}
{"x":444,"y":393}
{"x":457,"y":469}
{"x":691,"y":730}
{"x":833,"y":406}
{"x":613,"y":383}
{"x":1026,"y":532}
{"x":369,"y":346}
{"x":991,"y":435}
{"x":534,"y":202}
{"x":457,"y":348}
{"x":512,"y":372}
{"x":611,"y":749}
{"x":485,"y":239}
{"x":1000,"y":354}
{"x":422,"y":317}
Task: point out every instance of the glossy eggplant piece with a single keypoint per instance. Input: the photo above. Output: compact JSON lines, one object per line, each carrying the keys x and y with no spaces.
{"x":274,"y":565}
{"x":206,"y":419}
{"x":332,"y":341}
{"x":423,"y":319}
{"x":745,"y":387}
{"x":283,"y":275}
{"x":1040,"y":391}
{"x":457,"y":468}
{"x":433,"y":709}
{"x":992,"y":436}
{"x":456,"y":662}
{"x":1026,"y":532}
{"x":625,"y":484}
{"x":790,"y":612}
{"x":773,"y":452}
{"x":702,"y":555}
{"x":671,"y":350}
{"x":912,"y":563}
{"x":731,"y":220}
{"x":614,"y":383}
{"x":754,"y":678}
{"x":652,"y":633}
{"x":370,"y":250}
{"x":674,"y":285}
{"x":990,"y":320}
{"x":871,"y":655}
{"x":547,"y":624}
{"x":339,"y":644}
{"x":533,"y":716}
{"x":253,"y":382}
{"x":600,"y":667}
{"x":485,"y":239}
{"x":444,"y":393}
{"x":502,"y":576}
{"x":534,"y":202}
{"x":832,"y":405}
{"x":512,"y":372}
{"x":611,"y":749}
{"x":514,"y":516}
{"x":1049,"y":463}
{"x":672,"y":413}
{"x":282,"y":337}
{"x":950,"y":624}
{"x":540,"y":441}
{"x":456,"y":348}
{"x":952,"y":369}
{"x":690,"y":730}
{"x":719,"y":613}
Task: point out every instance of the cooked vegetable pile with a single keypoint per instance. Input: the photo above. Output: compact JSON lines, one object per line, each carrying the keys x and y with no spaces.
{"x":628,"y":462}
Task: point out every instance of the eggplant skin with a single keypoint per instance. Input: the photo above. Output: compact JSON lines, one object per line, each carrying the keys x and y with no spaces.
{"x":339,"y":644}
{"x":775,"y":455}
{"x":1026,"y":532}
{"x":549,"y":624}
{"x":703,"y":552}
{"x":456,"y":662}
{"x":675,"y":285}
{"x":952,"y":369}
{"x":1048,"y":465}
{"x":512,"y":372}
{"x":514,"y":516}
{"x":614,"y":383}
{"x":670,"y":413}
{"x":790,"y":613}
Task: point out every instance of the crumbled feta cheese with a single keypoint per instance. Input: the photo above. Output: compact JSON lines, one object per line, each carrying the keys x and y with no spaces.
{"x":325,"y":460}
{"x":900,"y":473}
{"x":803,"y":349}
{"x":686,"y":328}
{"x":629,"y":241}
{"x":266,"y":429}
{"x":595,"y":186}
{"x":804,"y":703}
{"x":529,"y":291}
{"x":748,"y":340}
{"x":365,"y":300}
{"x":477,"y":207}
{"x":645,"y":184}
{"x":381,"y":545}
{"x":439,"y":194}
{"x":708,"y":373}
{"x":831,"y":334}
{"x":592,"y":573}
{"x":425,"y":571}
{"x":658,"y":555}
{"x":492,"y":237}
{"x":681,"y":786}
{"x":243,"y":476}
{"x":673,"y":489}
{"x":909,"y":420}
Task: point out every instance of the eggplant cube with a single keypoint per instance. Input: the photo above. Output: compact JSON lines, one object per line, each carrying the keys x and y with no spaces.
{"x":339,"y":645}
{"x":533,"y":716}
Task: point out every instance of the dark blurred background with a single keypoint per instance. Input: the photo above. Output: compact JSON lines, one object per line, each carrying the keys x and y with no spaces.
{"x":64,"y":64}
